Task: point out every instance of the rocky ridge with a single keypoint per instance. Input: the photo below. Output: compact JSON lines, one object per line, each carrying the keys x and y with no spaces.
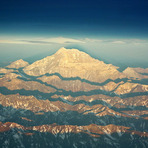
{"x":93,"y":130}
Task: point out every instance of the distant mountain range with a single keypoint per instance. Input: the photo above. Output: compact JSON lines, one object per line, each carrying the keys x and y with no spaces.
{"x":71,"y":100}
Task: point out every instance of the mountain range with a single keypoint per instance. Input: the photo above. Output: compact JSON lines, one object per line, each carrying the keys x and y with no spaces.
{"x":72,"y":100}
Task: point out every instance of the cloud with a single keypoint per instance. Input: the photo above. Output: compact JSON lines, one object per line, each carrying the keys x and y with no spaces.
{"x":34,"y":42}
{"x":118,"y":42}
{"x":11,"y":42}
{"x":63,"y":40}
{"x":92,"y":40}
{"x":57,"y":40}
{"x":130,"y":41}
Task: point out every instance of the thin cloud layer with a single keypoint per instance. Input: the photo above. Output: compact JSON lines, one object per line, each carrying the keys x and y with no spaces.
{"x":63,"y":40}
{"x":58,"y":40}
{"x":118,"y":42}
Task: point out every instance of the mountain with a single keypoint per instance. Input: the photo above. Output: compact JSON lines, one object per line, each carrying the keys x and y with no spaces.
{"x":18,"y":64}
{"x":135,"y":73}
{"x":70,"y":99}
{"x":141,"y":70}
{"x":74,"y":63}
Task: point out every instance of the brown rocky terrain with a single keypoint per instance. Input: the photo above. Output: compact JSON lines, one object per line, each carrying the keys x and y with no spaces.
{"x":113,"y":101}
{"x":77,"y":85}
{"x":130,"y":88}
{"x":11,"y":82}
{"x":92,"y":129}
{"x":35,"y":105}
{"x":136,"y":112}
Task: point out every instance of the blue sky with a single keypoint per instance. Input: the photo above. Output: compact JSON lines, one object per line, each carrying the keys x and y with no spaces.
{"x":111,"y":29}
{"x":107,"y":18}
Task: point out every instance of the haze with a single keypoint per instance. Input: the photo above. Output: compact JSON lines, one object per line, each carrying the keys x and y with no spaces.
{"x":113,"y":31}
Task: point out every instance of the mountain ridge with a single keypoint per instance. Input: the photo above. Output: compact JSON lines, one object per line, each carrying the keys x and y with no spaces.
{"x":70,"y":96}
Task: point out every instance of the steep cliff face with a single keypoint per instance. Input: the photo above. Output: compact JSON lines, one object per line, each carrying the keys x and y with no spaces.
{"x":75,"y":101}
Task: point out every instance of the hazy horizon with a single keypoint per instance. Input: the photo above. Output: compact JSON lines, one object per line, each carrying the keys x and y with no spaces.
{"x":114,"y":31}
{"x":118,"y":55}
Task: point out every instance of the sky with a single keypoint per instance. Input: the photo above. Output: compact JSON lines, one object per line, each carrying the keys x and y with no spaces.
{"x":113,"y":30}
